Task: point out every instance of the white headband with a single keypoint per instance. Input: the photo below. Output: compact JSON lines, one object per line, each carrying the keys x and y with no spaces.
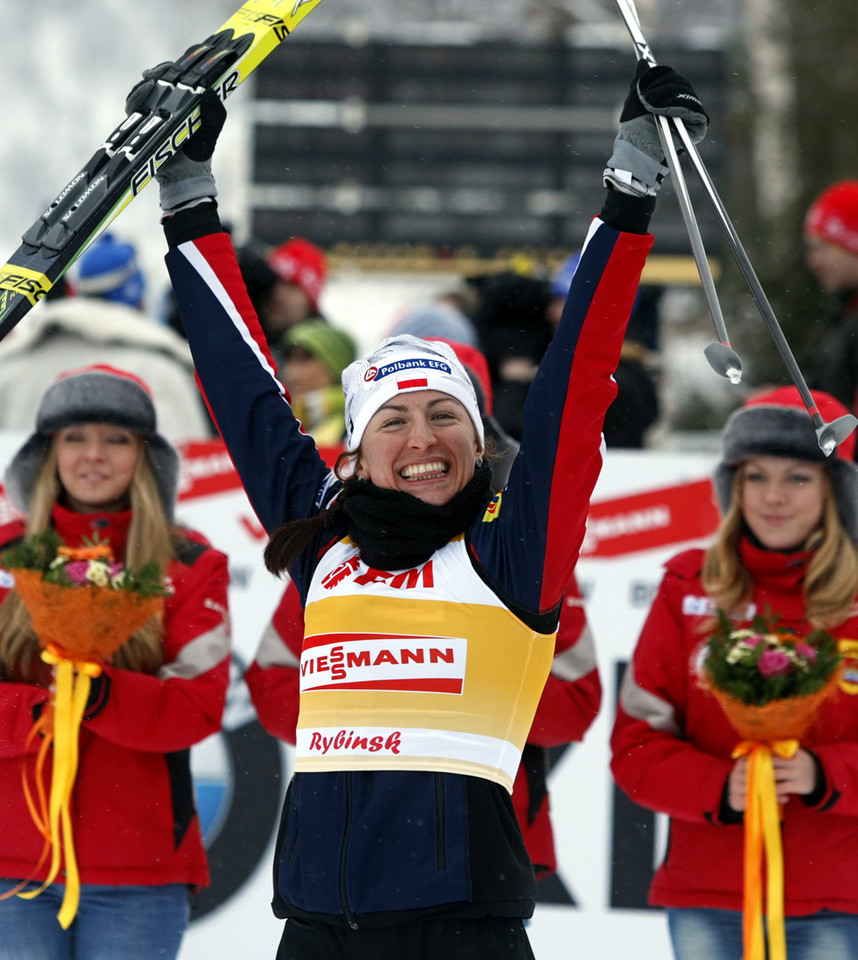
{"x":404,"y":364}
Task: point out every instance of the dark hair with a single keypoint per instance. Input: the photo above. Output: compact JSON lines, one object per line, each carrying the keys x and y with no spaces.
{"x":294,"y":536}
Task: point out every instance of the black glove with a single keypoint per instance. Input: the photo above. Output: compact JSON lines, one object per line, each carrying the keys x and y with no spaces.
{"x":186,"y":178}
{"x":141,"y":90}
{"x":637,"y":163}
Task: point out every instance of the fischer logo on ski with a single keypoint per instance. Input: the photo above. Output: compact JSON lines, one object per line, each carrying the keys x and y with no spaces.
{"x":163,"y":153}
{"x":279,"y":27}
{"x":18,"y":280}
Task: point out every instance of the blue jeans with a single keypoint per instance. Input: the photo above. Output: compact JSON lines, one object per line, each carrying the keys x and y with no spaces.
{"x":699,"y":934}
{"x":131,"y":923}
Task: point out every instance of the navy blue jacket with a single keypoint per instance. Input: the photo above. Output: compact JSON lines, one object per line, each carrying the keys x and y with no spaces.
{"x":374,"y":848}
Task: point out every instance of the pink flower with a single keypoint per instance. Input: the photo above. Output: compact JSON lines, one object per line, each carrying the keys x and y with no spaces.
{"x":806,"y":652}
{"x":76,"y":571}
{"x":774,"y":663}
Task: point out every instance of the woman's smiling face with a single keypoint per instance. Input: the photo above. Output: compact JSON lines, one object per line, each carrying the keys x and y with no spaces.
{"x":422,"y":443}
{"x":783,"y":500}
{"x":96,"y":464}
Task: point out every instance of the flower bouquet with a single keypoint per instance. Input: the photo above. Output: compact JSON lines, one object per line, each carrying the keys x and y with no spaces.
{"x":83,"y":607}
{"x":770,"y":684}
{"x":82,"y":603}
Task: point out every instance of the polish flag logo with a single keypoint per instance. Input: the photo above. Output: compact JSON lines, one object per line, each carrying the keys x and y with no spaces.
{"x":412,"y":384}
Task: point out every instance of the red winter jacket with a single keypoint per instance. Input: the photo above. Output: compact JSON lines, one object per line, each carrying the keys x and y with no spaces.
{"x":133,"y":812}
{"x":672,"y":748}
{"x":569,"y":704}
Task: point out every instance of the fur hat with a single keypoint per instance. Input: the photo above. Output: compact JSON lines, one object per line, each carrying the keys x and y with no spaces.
{"x":95,"y":394}
{"x":776,"y":424}
{"x":303,"y":263}
{"x":404,"y":364}
{"x":833,"y":216}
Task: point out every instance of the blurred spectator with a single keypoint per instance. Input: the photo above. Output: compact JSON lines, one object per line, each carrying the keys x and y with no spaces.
{"x":284,"y":283}
{"x":437,"y":321}
{"x":636,"y":407}
{"x":301,"y":270}
{"x":103,"y":325}
{"x":314,"y":356}
{"x":831,"y":243}
{"x":561,"y":281}
{"x":109,"y":270}
{"x":499,"y":444}
{"x":512,"y":324}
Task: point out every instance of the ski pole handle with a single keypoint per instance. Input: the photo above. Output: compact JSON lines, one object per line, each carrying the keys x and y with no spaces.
{"x":721,"y":356}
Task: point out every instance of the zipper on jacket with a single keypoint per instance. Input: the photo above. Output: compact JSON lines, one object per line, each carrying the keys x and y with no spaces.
{"x":347,"y":913}
{"x":440,"y":821}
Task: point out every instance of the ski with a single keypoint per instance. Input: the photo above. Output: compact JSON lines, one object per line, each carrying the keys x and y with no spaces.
{"x":128,"y":159}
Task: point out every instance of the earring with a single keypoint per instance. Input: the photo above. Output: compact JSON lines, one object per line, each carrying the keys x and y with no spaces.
{"x":479,"y":461}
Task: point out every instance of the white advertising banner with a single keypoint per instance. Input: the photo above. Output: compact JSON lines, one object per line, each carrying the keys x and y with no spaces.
{"x":647,"y":506}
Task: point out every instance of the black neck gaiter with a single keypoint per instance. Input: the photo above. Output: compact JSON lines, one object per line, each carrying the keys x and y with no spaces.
{"x":395,"y":530}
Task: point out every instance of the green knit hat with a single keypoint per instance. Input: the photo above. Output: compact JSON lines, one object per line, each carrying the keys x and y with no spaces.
{"x":331,"y":346}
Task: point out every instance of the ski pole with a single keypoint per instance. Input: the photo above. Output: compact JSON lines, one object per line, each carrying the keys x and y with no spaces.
{"x":828,"y":435}
{"x":721,"y":356}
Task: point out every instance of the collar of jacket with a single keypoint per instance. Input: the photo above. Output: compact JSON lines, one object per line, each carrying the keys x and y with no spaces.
{"x":74,"y":527}
{"x":772,"y":568}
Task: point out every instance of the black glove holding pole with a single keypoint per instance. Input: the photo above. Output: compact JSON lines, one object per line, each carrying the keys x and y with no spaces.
{"x":637,"y":164}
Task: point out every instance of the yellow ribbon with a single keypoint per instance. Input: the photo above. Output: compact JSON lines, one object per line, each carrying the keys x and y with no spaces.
{"x":763,"y":833}
{"x":73,"y":680}
{"x":848,"y":649}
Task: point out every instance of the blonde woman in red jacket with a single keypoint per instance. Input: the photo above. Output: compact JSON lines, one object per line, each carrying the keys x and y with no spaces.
{"x":787,"y":542}
{"x":96,"y":465}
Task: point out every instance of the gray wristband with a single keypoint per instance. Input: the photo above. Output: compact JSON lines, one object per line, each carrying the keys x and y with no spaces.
{"x":632,"y":171}
{"x":178,"y":193}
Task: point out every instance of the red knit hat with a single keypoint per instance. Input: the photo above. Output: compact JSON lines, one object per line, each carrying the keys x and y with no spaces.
{"x":833,"y":216}
{"x":303,"y":263}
